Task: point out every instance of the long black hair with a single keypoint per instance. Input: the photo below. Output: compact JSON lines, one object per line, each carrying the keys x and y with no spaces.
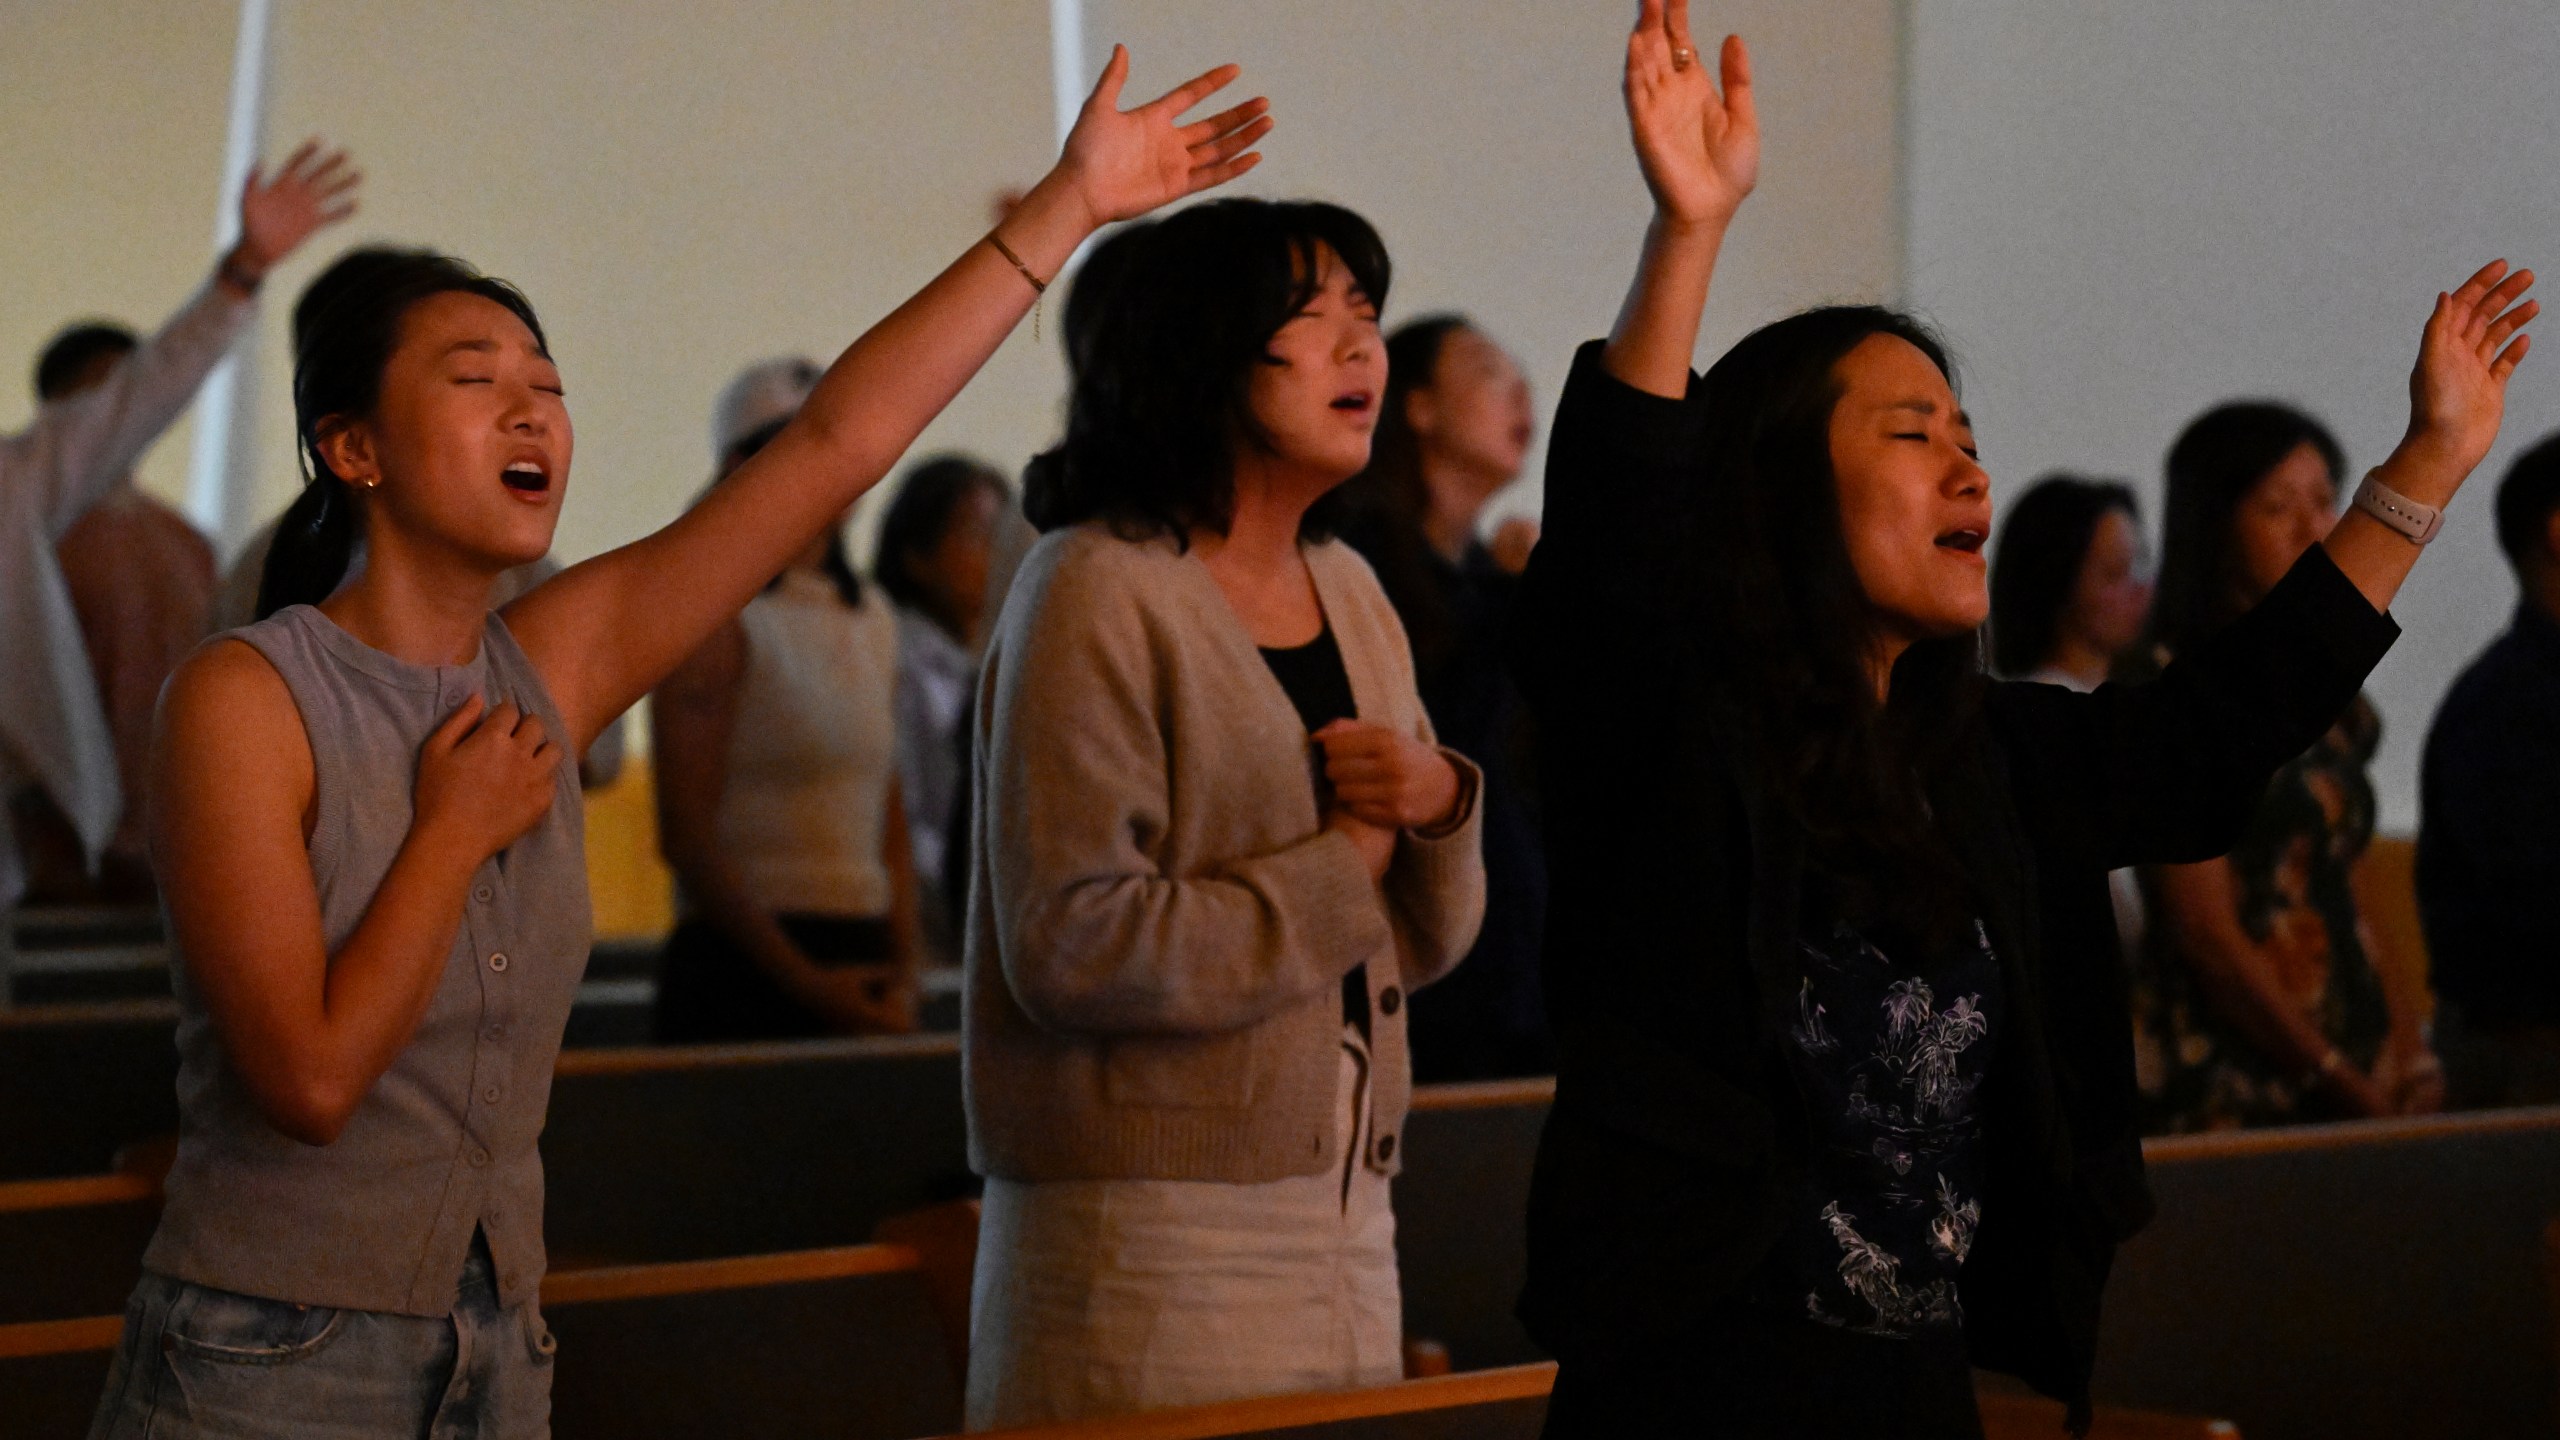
{"x":345,"y":328}
{"x":2217,"y":460}
{"x":1792,"y":631}
{"x":918,"y":519}
{"x":1385,"y":504}
{"x":1163,"y":358}
{"x":2044,"y":545}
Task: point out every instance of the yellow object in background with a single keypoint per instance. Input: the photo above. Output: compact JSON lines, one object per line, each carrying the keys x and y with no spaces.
{"x":633,"y":891}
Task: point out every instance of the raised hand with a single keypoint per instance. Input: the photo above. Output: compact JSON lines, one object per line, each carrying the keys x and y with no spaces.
{"x":2458,"y":391}
{"x":1700,"y":151}
{"x":313,"y":189}
{"x":1124,"y":163}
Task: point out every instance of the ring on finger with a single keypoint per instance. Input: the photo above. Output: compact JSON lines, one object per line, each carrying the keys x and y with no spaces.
{"x":1681,"y":57}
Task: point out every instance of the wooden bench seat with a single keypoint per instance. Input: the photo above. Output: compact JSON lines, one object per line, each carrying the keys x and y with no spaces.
{"x":840,"y":1343}
{"x":72,"y":1247}
{"x":1511,"y":1404}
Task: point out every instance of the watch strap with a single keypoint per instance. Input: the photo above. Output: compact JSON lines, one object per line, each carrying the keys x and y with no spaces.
{"x":2418,"y":522}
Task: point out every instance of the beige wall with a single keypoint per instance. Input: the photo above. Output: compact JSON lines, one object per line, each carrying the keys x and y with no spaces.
{"x":1487,"y":143}
{"x":113,"y":111}
{"x":2126,"y":215}
{"x":682,"y":189}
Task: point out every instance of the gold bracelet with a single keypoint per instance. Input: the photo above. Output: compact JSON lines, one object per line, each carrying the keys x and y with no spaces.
{"x":1039,"y":287}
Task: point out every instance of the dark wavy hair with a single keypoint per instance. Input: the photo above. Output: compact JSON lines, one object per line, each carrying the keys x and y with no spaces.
{"x":1163,"y":357}
{"x":918,"y":519}
{"x":345,"y":328}
{"x":2217,"y":460}
{"x":1384,"y":505}
{"x":1792,"y":630}
{"x":2044,"y":545}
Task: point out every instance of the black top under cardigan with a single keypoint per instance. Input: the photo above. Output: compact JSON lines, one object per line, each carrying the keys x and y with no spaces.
{"x":1676,"y":1138}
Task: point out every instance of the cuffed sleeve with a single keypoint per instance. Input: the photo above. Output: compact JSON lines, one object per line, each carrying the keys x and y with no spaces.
{"x":80,"y":446}
{"x":1436,"y":885}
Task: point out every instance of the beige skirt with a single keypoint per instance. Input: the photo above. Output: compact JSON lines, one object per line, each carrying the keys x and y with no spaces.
{"x":1104,"y":1297}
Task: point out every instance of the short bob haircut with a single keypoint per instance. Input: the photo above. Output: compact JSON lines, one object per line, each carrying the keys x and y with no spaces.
{"x":2044,"y":545}
{"x":1163,"y":363}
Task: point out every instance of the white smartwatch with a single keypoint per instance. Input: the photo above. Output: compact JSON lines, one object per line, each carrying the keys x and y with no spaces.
{"x":2418,"y":522}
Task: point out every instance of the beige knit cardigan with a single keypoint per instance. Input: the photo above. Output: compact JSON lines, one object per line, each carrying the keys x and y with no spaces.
{"x":1158,"y":922}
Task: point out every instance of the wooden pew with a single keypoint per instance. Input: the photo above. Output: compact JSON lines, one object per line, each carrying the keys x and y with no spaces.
{"x":2373,"y":1278}
{"x":72,"y":1247}
{"x":80,"y":1081}
{"x":841,"y":1343}
{"x":1511,"y":1404}
{"x":1462,"y":1207}
{"x":688,"y":1153}
{"x":52,"y":1373}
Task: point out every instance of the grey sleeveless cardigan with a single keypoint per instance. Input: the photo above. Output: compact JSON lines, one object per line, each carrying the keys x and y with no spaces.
{"x":381,"y":1218}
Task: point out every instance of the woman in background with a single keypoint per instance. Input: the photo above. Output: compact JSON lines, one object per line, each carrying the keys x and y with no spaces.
{"x":936,"y":555}
{"x":1215,"y":848}
{"x":2070,"y":591}
{"x":1452,"y":433}
{"x":775,"y":750}
{"x":2070,"y":583}
{"x":2263,"y":994}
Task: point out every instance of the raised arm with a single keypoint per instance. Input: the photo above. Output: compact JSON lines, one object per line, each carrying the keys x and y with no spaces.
{"x":2168,"y":772}
{"x":2457,"y":399}
{"x":607,"y":631}
{"x":1700,"y":153}
{"x":80,"y":446}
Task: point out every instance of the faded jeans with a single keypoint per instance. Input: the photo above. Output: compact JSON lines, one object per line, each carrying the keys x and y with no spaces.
{"x":203,"y":1364}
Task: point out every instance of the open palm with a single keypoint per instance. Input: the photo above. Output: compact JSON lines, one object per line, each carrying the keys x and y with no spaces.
{"x":311,"y":189}
{"x":1124,"y":163}
{"x":2458,"y":391}
{"x":1700,"y":150}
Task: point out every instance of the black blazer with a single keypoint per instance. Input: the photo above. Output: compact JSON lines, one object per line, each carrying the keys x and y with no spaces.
{"x":1676,"y":1135}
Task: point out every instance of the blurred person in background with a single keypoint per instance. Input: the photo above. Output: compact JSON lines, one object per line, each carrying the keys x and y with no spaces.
{"x":141,"y":583}
{"x":1453,"y":432}
{"x":84,"y":645}
{"x":2070,"y":593}
{"x":2489,"y":823}
{"x":775,"y":754}
{"x":936,"y":556}
{"x":2263,"y":993}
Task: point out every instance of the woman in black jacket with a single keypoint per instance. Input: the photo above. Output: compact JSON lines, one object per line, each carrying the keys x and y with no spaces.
{"x":1845,"y":1100}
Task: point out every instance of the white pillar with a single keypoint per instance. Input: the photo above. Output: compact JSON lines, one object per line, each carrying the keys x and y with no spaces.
{"x":1068,"y":78}
{"x":221,"y":478}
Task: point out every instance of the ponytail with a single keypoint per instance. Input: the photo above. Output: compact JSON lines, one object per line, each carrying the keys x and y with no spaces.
{"x":313,"y":545}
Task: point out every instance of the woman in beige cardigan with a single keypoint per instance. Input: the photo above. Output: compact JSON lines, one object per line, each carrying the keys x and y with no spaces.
{"x":1214,"y":849}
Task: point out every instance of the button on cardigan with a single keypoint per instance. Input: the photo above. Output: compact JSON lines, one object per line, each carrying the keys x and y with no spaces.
{"x":1159,"y":923}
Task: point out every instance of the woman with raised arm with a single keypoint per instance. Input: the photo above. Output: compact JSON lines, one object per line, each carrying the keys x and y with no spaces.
{"x":1846,"y":1101}
{"x":1215,"y":848}
{"x":365,"y":810}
